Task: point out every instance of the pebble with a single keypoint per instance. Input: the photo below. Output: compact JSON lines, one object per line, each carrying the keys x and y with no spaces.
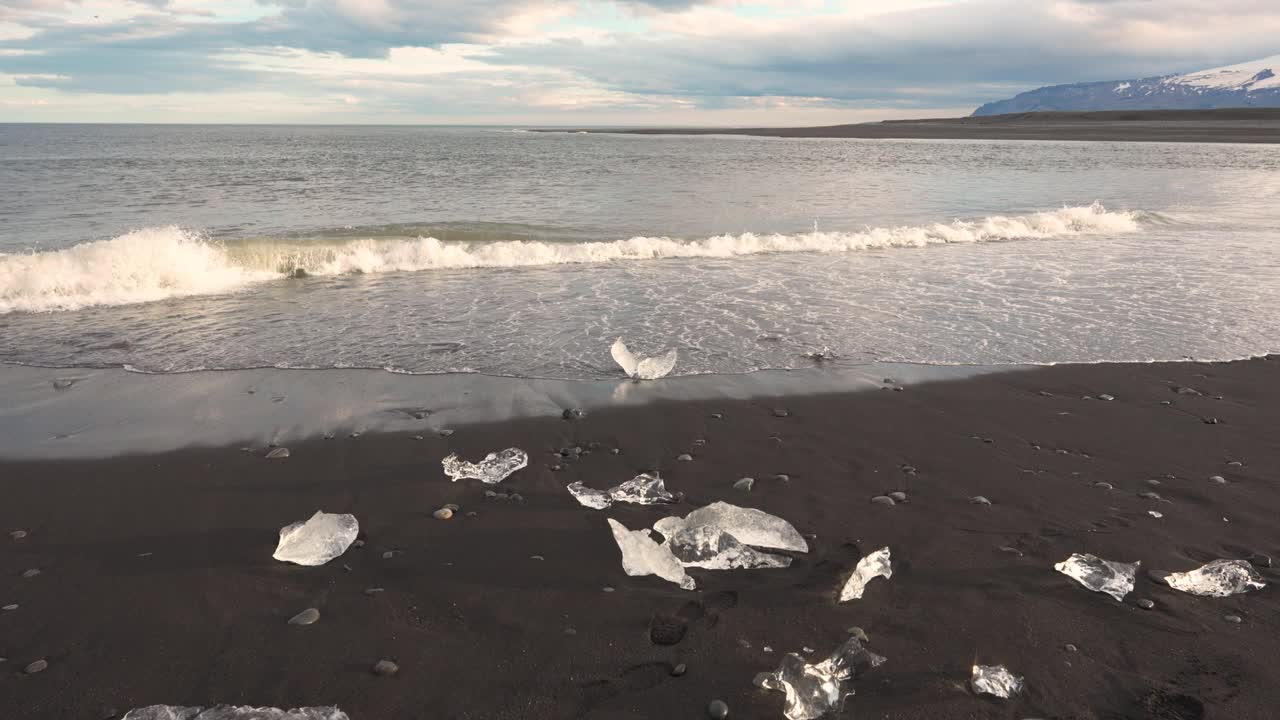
{"x":516,"y":497}
{"x":572,"y":414}
{"x":1218,"y":480}
{"x":679,"y":670}
{"x":1070,"y":648}
{"x":717,"y":710}
{"x":1104,"y":485}
{"x":556,"y":468}
{"x":490,"y":494}
{"x":536,"y":557}
{"x":908,"y":469}
{"x":1211,"y":421}
{"x":1153,"y":482}
{"x":883,"y":500}
{"x":717,"y":416}
{"x":385,"y":668}
{"x":1148,"y":495}
{"x":1155,"y":514}
{"x":39,"y":666}
{"x":1165,"y":402}
{"x":374,"y":590}
{"x":18,"y":534}
{"x":782,"y":477}
{"x":278,"y":453}
{"x":859,"y":633}
{"x":1106,"y":397}
{"x":979,"y":500}
{"x":570,"y":631}
{"x":898,"y":496}
{"x":1011,"y":550}
{"x":781,"y":413}
{"x":1233,"y":619}
{"x":1235,"y":463}
{"x":442,"y":514}
{"x":615,"y":451}
{"x":889,"y":381}
{"x":306,"y":617}
{"x":10,"y":608}
{"x":1145,"y":604}
{"x":607,"y":588}
{"x":388,"y":554}
{"x":685,"y":458}
{"x":745,"y":484}
{"x":451,"y":506}
{"x":446,"y":432}
{"x":31,"y":573}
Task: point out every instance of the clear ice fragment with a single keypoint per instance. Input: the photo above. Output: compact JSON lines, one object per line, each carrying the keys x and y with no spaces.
{"x":231,"y":712}
{"x":815,"y":690}
{"x":1220,"y":578}
{"x":644,"y":368}
{"x":1113,"y":578}
{"x":747,"y":525}
{"x":643,"y":489}
{"x":641,"y":556}
{"x":870,"y":567}
{"x":493,"y":469}
{"x":318,"y":540}
{"x":995,"y":680}
{"x":710,"y":548}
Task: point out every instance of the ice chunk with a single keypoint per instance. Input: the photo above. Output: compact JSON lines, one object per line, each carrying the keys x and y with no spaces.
{"x":815,"y":690}
{"x":995,"y":680}
{"x":644,"y":368}
{"x":709,"y":547}
{"x":1219,"y":578}
{"x":643,"y":489}
{"x":493,"y":469}
{"x":231,"y":712}
{"x":642,"y":556}
{"x":1113,"y":578}
{"x":748,"y":525}
{"x":317,"y":541}
{"x":870,"y":567}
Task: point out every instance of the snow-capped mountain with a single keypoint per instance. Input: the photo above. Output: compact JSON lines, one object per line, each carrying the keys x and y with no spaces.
{"x":1249,"y":84}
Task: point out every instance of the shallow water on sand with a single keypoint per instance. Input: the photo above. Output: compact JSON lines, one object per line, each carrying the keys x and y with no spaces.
{"x":424,"y":250}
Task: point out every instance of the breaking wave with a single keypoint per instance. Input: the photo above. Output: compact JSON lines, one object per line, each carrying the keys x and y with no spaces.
{"x":170,"y":262}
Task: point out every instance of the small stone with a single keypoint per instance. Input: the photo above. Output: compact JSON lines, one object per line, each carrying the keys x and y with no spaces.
{"x":1235,"y":463}
{"x":388,"y":554}
{"x":536,"y":557}
{"x":306,"y":617}
{"x":889,"y":381}
{"x":700,"y":442}
{"x":679,"y":670}
{"x":1106,"y":397}
{"x":1104,"y":485}
{"x":10,"y":608}
{"x":278,"y":453}
{"x":1070,"y":648}
{"x":374,"y":590}
{"x":418,"y":437}
{"x":1218,"y":480}
{"x":472,"y":513}
{"x":572,"y":414}
{"x":570,"y":631}
{"x":859,"y":633}
{"x":1211,"y":421}
{"x":898,"y":388}
{"x":767,"y":650}
{"x":359,"y":543}
{"x":717,"y":416}
{"x":1145,"y":604}
{"x":607,"y":588}
{"x":1154,"y":482}
{"x":908,"y":469}
{"x":446,"y":432}
{"x":898,"y":496}
{"x":1187,"y":391}
{"x":1165,"y":402}
{"x":31,"y":573}
{"x":556,"y":468}
{"x":39,"y":666}
{"x":717,"y":710}
{"x":490,"y":494}
{"x":1148,"y":495}
{"x":1155,"y":514}
{"x":18,"y":534}
{"x":615,"y":451}
{"x":442,"y":514}
{"x":1233,"y":619}
{"x":782,"y":477}
{"x":979,"y":500}
{"x":780,"y":413}
{"x":745,"y":484}
{"x":1011,"y":550}
{"x":385,"y":668}
{"x":684,"y":458}
{"x":516,"y":497}
{"x":883,"y":500}
{"x":988,"y":441}
{"x":451,"y":506}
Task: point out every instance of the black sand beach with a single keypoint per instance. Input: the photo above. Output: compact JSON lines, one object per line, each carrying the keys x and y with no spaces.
{"x":157,"y":583}
{"x":1240,"y":125}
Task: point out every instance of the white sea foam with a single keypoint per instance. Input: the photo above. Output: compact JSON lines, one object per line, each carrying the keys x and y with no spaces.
{"x":167,"y":262}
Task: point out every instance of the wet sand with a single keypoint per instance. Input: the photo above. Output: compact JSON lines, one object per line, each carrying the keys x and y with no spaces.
{"x":157,"y":582}
{"x":1242,"y":125}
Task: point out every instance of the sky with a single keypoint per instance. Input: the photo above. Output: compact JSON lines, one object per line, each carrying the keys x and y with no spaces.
{"x":605,"y":62}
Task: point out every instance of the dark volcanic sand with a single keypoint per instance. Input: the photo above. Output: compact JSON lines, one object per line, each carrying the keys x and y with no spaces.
{"x":1240,"y":125}
{"x":479,"y":628}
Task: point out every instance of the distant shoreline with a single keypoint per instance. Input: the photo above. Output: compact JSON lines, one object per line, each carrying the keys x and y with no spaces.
{"x":1235,"y":125}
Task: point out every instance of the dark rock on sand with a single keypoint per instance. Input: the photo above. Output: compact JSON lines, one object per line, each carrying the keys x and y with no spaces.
{"x":979,"y":500}
{"x":883,"y":500}
{"x":1235,"y":619}
{"x":306,"y":617}
{"x":781,"y":412}
{"x":1211,"y":421}
{"x":898,"y":496}
{"x":859,"y":633}
{"x":385,"y":668}
{"x":1218,"y":480}
{"x":35,"y":667}
{"x":782,"y":477}
{"x":278,"y":453}
{"x":572,"y":414}
{"x":18,"y":534}
{"x":686,"y":457}
{"x":745,"y":484}
{"x":679,"y":670}
{"x":1144,"y":603}
{"x":717,"y":710}
{"x":31,"y":573}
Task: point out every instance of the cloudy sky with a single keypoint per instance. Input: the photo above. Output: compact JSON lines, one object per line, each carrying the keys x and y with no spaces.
{"x":688,"y":62}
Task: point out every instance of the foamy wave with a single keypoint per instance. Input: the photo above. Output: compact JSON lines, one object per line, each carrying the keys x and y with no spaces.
{"x":159,"y":263}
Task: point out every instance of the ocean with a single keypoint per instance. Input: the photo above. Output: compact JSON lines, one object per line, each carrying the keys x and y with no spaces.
{"x":167,"y":249}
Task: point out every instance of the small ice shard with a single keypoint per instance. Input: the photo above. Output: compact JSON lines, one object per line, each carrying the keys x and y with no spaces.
{"x":747,"y":525}
{"x":1113,"y":578}
{"x":995,"y":680}
{"x":1220,"y":578}
{"x":493,"y":469}
{"x":643,"y":489}
{"x":317,"y":541}
{"x":711,"y":548}
{"x":231,"y":712}
{"x":815,"y":690}
{"x":641,"y":556}
{"x":870,"y":567}
{"x":650,"y":368}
